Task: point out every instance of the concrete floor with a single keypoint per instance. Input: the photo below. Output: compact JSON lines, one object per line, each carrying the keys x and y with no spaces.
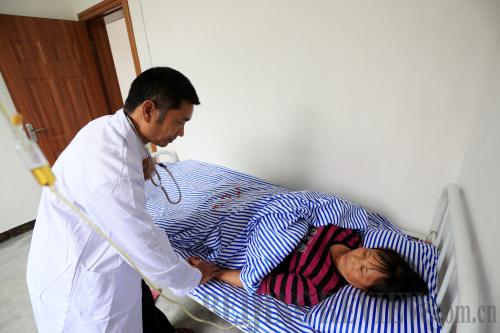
{"x":16,"y":315}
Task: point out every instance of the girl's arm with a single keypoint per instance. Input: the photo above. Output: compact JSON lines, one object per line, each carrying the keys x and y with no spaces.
{"x":231,"y":276}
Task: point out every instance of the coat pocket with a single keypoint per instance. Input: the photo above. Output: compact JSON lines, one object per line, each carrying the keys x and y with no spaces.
{"x":92,"y":295}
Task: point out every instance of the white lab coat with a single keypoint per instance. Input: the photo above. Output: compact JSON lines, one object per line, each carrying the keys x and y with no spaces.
{"x":77,"y":282}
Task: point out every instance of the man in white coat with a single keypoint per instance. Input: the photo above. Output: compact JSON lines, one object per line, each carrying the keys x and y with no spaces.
{"x":77,"y":281}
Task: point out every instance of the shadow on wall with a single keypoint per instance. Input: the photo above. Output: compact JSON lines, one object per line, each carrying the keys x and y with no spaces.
{"x":480,"y":266}
{"x":290,"y":158}
{"x":281,"y":156}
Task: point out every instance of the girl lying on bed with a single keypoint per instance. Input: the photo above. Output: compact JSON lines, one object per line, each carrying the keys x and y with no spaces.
{"x":325,"y":260}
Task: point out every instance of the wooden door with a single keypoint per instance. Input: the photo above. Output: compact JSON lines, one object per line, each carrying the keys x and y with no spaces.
{"x":52,"y":77}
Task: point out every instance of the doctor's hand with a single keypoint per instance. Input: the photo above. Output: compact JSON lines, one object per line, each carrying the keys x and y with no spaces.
{"x":208,"y":270}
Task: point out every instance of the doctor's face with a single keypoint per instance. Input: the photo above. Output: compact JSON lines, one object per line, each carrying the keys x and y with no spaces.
{"x":161,"y":134}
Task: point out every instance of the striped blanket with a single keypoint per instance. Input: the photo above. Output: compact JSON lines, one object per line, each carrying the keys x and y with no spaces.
{"x":242,"y":222}
{"x":233,"y":221}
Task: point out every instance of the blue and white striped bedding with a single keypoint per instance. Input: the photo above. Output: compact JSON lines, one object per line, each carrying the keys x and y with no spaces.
{"x":239,"y":221}
{"x":282,"y":221}
{"x":355,"y":311}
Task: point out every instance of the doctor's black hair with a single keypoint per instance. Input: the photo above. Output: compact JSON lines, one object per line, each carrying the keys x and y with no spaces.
{"x":399,"y":277}
{"x":165,"y":86}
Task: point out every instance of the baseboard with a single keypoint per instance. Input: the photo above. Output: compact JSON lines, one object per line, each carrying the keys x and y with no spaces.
{"x":17,"y":231}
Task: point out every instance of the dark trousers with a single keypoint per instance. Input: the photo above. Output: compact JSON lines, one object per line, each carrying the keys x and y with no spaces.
{"x":153,"y":320}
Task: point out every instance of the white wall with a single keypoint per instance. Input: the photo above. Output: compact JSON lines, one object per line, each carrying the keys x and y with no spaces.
{"x":372,"y":100}
{"x":56,"y":9}
{"x":122,"y":55}
{"x":81,"y":5}
{"x":19,"y":192}
{"x":480,"y":180}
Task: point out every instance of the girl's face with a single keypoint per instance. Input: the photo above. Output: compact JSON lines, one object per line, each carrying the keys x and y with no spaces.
{"x":360,"y":267}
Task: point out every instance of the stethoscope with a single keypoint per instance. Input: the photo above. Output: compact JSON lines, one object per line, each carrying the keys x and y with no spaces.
{"x":157,"y":183}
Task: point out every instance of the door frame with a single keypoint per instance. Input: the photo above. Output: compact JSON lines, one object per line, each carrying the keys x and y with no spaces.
{"x":107,"y":6}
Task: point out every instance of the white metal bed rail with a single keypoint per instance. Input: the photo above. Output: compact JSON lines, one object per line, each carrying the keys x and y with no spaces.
{"x":459,"y":283}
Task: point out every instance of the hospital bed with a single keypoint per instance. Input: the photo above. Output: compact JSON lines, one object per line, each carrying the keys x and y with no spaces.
{"x":224,"y":200}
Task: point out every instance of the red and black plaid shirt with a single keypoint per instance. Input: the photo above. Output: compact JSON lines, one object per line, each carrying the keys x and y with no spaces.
{"x":308,"y":275}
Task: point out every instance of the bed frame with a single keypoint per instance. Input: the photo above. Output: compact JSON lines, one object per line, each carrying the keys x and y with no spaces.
{"x":460,"y":295}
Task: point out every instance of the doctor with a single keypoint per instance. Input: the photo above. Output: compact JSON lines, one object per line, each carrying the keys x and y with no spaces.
{"x":77,"y":282}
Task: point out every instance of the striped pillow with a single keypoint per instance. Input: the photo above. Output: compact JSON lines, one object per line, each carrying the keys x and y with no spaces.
{"x":352,"y":310}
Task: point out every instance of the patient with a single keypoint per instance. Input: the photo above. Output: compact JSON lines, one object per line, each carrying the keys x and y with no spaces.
{"x":328,"y":258}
